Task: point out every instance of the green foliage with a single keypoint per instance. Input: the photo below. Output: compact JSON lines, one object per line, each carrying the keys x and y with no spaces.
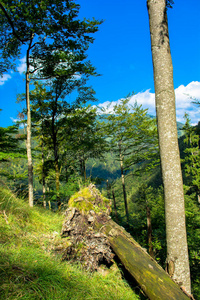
{"x":191,"y":161}
{"x":66,"y":190}
{"x":154,"y":199}
{"x":132,"y":134}
{"x":29,"y":268}
{"x":136,"y":188}
{"x":101,"y":170}
{"x":12,"y":158}
{"x":67,"y":134}
{"x":9,"y":144}
{"x":132,"y":137}
{"x":51,"y":31}
{"x":193,"y":237}
{"x":169,"y":3}
{"x":85,"y":201}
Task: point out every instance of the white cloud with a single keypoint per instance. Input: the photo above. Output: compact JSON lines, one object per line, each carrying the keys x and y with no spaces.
{"x":184,"y":97}
{"x":14,"y":119}
{"x":4,"y":78}
{"x":147,"y":99}
{"x":22,"y":65}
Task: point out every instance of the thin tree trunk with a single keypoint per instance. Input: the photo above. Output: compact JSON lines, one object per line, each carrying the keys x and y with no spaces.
{"x":43,"y":192}
{"x":108,"y":189}
{"x":55,"y":149}
{"x":177,"y":250}
{"x":149,"y":232}
{"x":84,"y":170}
{"x":115,"y":206}
{"x":57,"y":175}
{"x":49,"y":202}
{"x":81,"y":167}
{"x":28,"y":142}
{"x":198,"y":197}
{"x":43,"y":178}
{"x":123,"y":183}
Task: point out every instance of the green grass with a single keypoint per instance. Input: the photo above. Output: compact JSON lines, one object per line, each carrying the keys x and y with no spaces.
{"x":29,"y":268}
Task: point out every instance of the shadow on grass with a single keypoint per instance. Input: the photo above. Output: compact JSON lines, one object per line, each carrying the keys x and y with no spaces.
{"x":32,"y":275}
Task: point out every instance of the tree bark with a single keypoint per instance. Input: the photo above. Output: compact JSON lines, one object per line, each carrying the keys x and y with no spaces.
{"x":153,"y":280}
{"x":43,"y":177}
{"x":55,"y":147}
{"x":177,"y":250}
{"x":28,"y":142}
{"x":90,"y":209}
{"x":57,"y":175}
{"x":82,"y":168}
{"x":114,"y":203}
{"x":123,"y":182}
{"x":198,"y":198}
{"x":149,"y":232}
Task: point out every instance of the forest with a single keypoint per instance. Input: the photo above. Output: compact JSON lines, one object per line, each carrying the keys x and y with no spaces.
{"x":63,"y":142}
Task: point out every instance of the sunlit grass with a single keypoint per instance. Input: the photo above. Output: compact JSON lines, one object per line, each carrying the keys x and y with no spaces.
{"x":29,"y":269}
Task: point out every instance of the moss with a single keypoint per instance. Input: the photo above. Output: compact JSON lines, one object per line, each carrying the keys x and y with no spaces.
{"x":80,"y":249}
{"x":106,"y":204}
{"x":83,"y":200}
{"x":86,"y":200}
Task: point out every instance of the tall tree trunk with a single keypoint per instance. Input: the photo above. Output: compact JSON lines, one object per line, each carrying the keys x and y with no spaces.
{"x":149,"y":232}
{"x":28,"y":142}
{"x":83,"y":168}
{"x":49,"y":202}
{"x":123,"y":182}
{"x":57,"y":175}
{"x":43,"y":192}
{"x":198,"y":197}
{"x":115,"y":206}
{"x":177,"y":250}
{"x":55,"y":149}
{"x":43,"y":177}
{"x":108,"y":189}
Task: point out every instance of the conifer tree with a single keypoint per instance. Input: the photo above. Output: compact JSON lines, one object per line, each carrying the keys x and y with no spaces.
{"x":132,"y":136}
{"x":192,"y":155}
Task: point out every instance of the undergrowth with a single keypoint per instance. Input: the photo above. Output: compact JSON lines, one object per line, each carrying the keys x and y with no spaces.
{"x":29,"y":267}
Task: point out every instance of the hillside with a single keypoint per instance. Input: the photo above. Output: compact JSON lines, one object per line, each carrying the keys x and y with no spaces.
{"x":30,"y":267}
{"x":103,"y":118}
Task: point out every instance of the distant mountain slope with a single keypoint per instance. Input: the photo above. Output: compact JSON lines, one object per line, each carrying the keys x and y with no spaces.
{"x":103,"y":118}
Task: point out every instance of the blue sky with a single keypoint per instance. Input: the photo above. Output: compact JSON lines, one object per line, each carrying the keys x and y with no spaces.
{"x":121,"y":53}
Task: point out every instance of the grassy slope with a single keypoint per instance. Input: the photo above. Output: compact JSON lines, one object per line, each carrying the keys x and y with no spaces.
{"x":29,"y":269}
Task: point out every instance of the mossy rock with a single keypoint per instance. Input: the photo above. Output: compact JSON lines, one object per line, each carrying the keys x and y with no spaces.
{"x":89,"y":198}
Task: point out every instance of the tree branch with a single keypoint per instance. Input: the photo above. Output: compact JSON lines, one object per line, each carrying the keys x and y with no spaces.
{"x":12,"y":25}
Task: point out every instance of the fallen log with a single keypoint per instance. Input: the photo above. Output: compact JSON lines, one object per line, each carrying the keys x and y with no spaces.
{"x":96,"y":222}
